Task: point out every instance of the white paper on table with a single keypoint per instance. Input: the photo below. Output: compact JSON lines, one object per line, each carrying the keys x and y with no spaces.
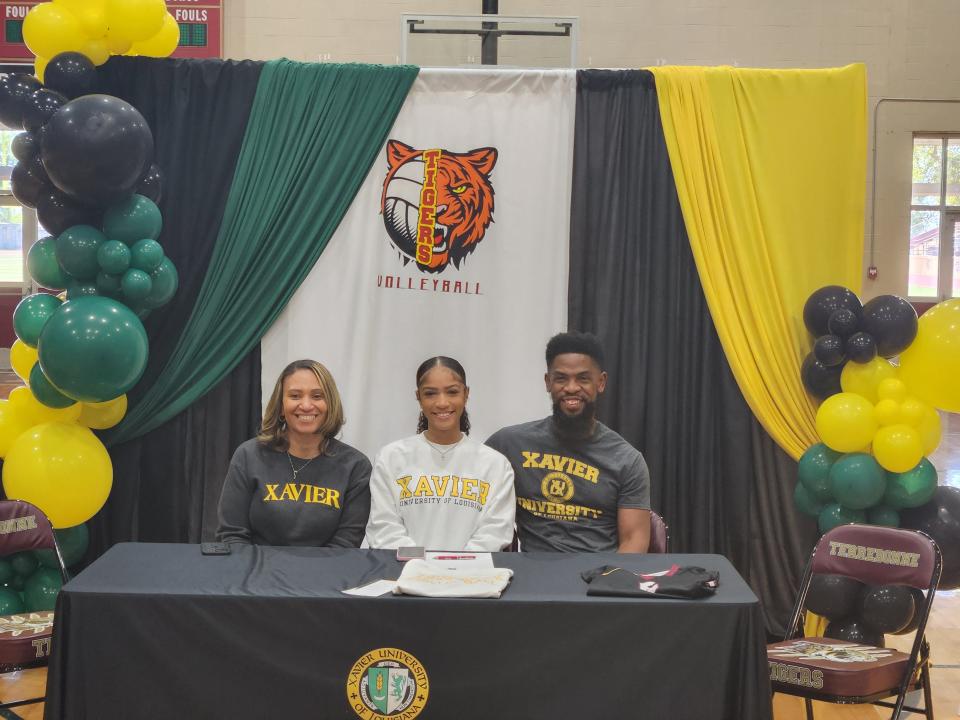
{"x":372,"y":589}
{"x":452,"y":559}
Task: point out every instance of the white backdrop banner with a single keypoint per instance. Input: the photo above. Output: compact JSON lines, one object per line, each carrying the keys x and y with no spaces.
{"x":457,"y":244}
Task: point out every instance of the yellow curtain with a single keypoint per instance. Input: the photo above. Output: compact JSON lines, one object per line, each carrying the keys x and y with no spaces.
{"x":770,"y":167}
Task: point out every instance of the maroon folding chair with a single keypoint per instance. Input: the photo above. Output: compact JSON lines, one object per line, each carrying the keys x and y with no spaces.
{"x":659,"y":534}
{"x":837,"y":671}
{"x":25,"y":637}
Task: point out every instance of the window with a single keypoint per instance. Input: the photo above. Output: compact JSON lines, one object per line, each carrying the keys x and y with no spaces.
{"x":18,"y":225}
{"x":934,"y":257}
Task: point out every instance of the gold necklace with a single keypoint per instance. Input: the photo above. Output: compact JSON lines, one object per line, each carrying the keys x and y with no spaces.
{"x":297,"y":470}
{"x":450,"y":448}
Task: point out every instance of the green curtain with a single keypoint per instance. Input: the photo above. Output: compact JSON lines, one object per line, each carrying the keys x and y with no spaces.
{"x":313,"y":134}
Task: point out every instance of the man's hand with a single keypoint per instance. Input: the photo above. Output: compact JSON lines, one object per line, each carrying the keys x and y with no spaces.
{"x":633,"y":529}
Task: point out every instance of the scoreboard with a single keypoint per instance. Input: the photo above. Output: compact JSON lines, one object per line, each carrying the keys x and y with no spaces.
{"x":200,"y":21}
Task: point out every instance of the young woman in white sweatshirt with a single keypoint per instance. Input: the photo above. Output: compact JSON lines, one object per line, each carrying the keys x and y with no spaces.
{"x":439,"y":488}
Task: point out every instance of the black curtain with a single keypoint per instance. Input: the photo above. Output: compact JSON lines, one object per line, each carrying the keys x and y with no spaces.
{"x":720,"y":482}
{"x":166,"y":483}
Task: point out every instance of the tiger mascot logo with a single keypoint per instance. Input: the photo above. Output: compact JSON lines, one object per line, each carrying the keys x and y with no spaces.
{"x":437,"y":204}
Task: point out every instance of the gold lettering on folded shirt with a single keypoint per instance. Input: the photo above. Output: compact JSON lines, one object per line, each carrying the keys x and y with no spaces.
{"x":874,"y":555}
{"x":559,"y":463}
{"x":301,"y":492}
{"x":805,"y":677}
{"x":27,"y":522}
{"x":557,"y":510}
{"x":443,"y":489}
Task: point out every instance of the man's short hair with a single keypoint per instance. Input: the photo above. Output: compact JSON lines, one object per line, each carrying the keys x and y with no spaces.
{"x":580,"y":343}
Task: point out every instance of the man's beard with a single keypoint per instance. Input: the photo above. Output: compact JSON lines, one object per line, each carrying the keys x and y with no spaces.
{"x":575,"y":426}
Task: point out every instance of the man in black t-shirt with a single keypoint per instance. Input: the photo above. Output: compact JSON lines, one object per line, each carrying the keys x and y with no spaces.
{"x":580,"y":486}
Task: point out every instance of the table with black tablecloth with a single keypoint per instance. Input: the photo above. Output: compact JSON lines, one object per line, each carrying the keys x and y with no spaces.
{"x":161,"y":631}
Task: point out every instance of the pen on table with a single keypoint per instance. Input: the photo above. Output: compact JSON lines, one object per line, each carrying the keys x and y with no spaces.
{"x":455,"y":557}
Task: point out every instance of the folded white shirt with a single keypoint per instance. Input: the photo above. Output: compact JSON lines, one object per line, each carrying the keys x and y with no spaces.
{"x":431,"y":578}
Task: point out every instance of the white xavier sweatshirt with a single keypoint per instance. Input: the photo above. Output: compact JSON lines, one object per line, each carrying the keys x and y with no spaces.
{"x":460,"y":500}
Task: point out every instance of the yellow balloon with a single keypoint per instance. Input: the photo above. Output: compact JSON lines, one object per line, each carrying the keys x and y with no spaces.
{"x":62,"y":468}
{"x":892,"y":389}
{"x":116,"y":43}
{"x":40,"y":67}
{"x":92,"y":14}
{"x":101,"y":416}
{"x":135,"y":19}
{"x":96,"y":50}
{"x":931,"y":365}
{"x":12,"y":425}
{"x":163,"y":43}
{"x":897,"y":448}
{"x":846,"y":422}
{"x":22,"y":359}
{"x":863,"y":378}
{"x":35,"y":412}
{"x":887,"y":412}
{"x":912,"y":411}
{"x":49,"y":30}
{"x":930,"y":430}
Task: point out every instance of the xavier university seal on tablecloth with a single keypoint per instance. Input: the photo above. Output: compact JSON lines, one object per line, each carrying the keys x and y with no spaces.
{"x":387,"y":683}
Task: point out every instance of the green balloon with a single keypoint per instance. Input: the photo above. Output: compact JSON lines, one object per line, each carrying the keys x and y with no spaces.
{"x":31,"y":314}
{"x":146,"y":255}
{"x":814,"y":470}
{"x":912,"y":488}
{"x":113,"y":257}
{"x":883,"y":515}
{"x":109,"y":285}
{"x":77,"y":248}
{"x":77,"y":289}
{"x":136,"y":286}
{"x":40,"y":589}
{"x":43,"y":266}
{"x":23,"y":563}
{"x":73,"y":542}
{"x":6,"y":571}
{"x":165,"y":281}
{"x":805,"y":501}
{"x":10,"y":602}
{"x":44,"y":391}
{"x":133,"y":219}
{"x":94,"y":349}
{"x":835,"y":514}
{"x":17,"y":582}
{"x":857,"y":481}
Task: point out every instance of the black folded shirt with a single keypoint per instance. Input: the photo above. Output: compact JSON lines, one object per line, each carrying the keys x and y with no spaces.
{"x":675,"y":582}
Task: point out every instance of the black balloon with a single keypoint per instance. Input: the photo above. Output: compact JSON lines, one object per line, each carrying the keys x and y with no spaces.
{"x":40,"y":107}
{"x":854,"y":630}
{"x":151,"y":184}
{"x":919,"y":599}
{"x":893,"y":323}
{"x":843,"y":322}
{"x":861,"y":347}
{"x":71,"y":74}
{"x":823,"y":302}
{"x":819,"y":380}
{"x":57,"y":211}
{"x":29,"y":183}
{"x":96,"y":148}
{"x":25,"y":146}
{"x":828,"y":349}
{"x":15,"y":92}
{"x":887,"y":608}
{"x":833,"y":596}
{"x":940,"y":519}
